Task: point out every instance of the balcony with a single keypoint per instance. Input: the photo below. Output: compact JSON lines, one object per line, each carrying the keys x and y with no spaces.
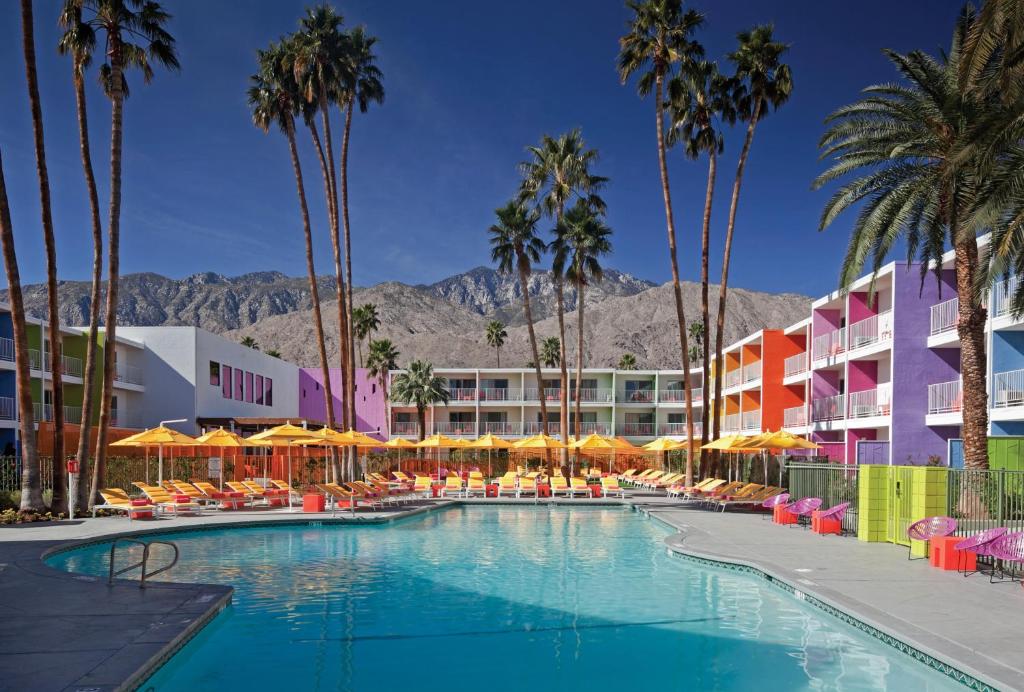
{"x":678,"y":396}
{"x":679,"y":429}
{"x":945,"y":316}
{"x":6,"y":349}
{"x":829,"y":345}
{"x":501,"y":428}
{"x":129,"y":374}
{"x":870,"y":403}
{"x":871,"y":330}
{"x":731,"y":423}
{"x":945,"y":397}
{"x":732,"y":378}
{"x":636,"y":396}
{"x":500,"y":394}
{"x":44,"y":412}
{"x":550,"y":394}
{"x":593,"y":428}
{"x":752,"y":372}
{"x":795,"y":417}
{"x":1008,"y":389}
{"x":750,"y":421}
{"x":637,"y":429}
{"x":1002,"y":296}
{"x":462,"y":394}
{"x":8,"y":408}
{"x":828,"y":408}
{"x":536,"y":428}
{"x":795,"y":365}
{"x":590,"y":395}
{"x":405,"y":428}
{"x":456,"y":428}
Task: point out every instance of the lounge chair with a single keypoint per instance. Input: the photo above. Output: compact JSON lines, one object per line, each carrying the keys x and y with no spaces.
{"x":166,"y":502}
{"x":475,"y":486}
{"x":362,"y":493}
{"x":640,"y":477}
{"x":402,"y":478}
{"x":626,"y":475}
{"x":752,"y":499}
{"x":666,"y":481}
{"x":507,"y":485}
{"x":579,"y":486}
{"x":275,"y":497}
{"x":423,"y":486}
{"x":228,"y":499}
{"x":610,"y":487}
{"x":337,"y":495}
{"x":453,"y":487}
{"x":117,"y":500}
{"x":559,"y":486}
{"x":527,"y":486}
{"x":679,"y":488}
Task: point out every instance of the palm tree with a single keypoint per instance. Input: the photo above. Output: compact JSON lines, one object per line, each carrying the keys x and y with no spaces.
{"x":367,"y":321}
{"x":558,"y":172}
{"x":551,"y":353}
{"x":993,"y":51}
{"x":273,"y":353}
{"x":59,"y":501}
{"x":421,"y":387}
{"x":31,"y":486}
{"x":133,"y":37}
{"x":906,"y":141}
{"x":79,"y":40}
{"x":274,"y":99}
{"x":658,"y":38}
{"x":699,"y":97}
{"x":762,"y":82}
{"x":382,"y":359}
{"x":516,"y":247}
{"x":250,"y":342}
{"x":627,"y":361}
{"x":581,"y":239}
{"x":496,"y":336}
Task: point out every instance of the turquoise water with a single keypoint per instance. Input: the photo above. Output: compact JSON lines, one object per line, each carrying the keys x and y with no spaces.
{"x":502,"y":599}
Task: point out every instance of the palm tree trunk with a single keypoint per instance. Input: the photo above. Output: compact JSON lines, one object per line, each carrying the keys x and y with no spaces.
{"x":578,"y":427}
{"x":89,"y":378}
{"x":59,"y":501}
{"x":971,"y":329}
{"x":498,"y":349}
{"x":724,"y":286}
{"x":705,"y":311}
{"x":563,"y":369}
{"x":348,"y":264}
{"x":31,"y":488}
{"x":113,"y":267}
{"x":524,"y":285}
{"x":676,"y":288}
{"x":310,"y":268}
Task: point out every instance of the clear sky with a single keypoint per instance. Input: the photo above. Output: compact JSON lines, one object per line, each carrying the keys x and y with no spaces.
{"x":469,"y":85}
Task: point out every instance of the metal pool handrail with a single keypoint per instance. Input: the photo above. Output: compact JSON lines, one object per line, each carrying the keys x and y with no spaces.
{"x":141,"y":563}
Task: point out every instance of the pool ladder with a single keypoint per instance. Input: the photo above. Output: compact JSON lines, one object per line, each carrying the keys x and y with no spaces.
{"x":141,"y":563}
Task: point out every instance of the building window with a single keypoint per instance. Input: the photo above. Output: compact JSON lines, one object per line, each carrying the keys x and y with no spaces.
{"x":268,"y":391}
{"x":259,"y":389}
{"x":248,"y":388}
{"x":214,"y":374}
{"x":239,"y":385}
{"x":225,"y":382}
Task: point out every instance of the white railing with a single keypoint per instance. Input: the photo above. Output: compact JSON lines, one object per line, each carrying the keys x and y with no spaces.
{"x":752,"y":372}
{"x":501,"y":428}
{"x":732,"y":378}
{"x":795,"y":417}
{"x":34,"y":361}
{"x":636,"y":396}
{"x":550,"y":394}
{"x":750,"y":420}
{"x":6,"y":349}
{"x":71,"y":365}
{"x":870,"y":402}
{"x":73,"y":414}
{"x":945,"y":316}
{"x":1008,"y":389}
{"x":828,"y":408}
{"x":500,"y":394}
{"x":637,"y":429}
{"x":42,"y":412}
{"x":456,"y":428}
{"x":794,"y":365}
{"x":405,"y":427}
{"x":8,"y":408}
{"x":1002,"y":296}
{"x":828,"y":345}
{"x":945,"y":397}
{"x":462,"y":394}
{"x":592,"y":428}
{"x":870,"y":330}
{"x":128,"y":374}
{"x":593,"y":395}
{"x":536,"y":427}
{"x":731,"y":422}
{"x":678,"y":396}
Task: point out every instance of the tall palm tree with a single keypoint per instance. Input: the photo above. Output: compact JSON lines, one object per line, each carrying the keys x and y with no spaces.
{"x":550,"y":353}
{"x":496,"y":336}
{"x":31,"y":485}
{"x":59,"y":501}
{"x":659,"y":37}
{"x":763,"y":82}
{"x":367,"y":321}
{"x":79,"y":41}
{"x":993,"y":51}
{"x":699,"y":98}
{"x":581,"y":239}
{"x":557,"y":172}
{"x":516,"y":247}
{"x":915,"y":182}
{"x":274,"y":100}
{"x":134,"y":36}
{"x":421,"y":387}
{"x":382,"y":359}
{"x":627,"y":361}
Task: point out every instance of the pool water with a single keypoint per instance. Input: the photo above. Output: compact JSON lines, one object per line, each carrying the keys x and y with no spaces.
{"x":501,"y":599}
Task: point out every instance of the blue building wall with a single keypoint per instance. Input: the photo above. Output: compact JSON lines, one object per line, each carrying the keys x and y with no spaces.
{"x":1007,"y":350}
{"x":1007,"y":427}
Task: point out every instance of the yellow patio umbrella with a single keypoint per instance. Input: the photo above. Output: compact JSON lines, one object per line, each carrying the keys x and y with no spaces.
{"x":489,"y":442}
{"x":399,"y":443}
{"x":157,"y":437}
{"x":727,"y":443}
{"x":782,"y":439}
{"x":325,"y":437}
{"x":540,"y":441}
{"x":664,"y":444}
{"x":461,"y":443}
{"x":437,"y":441}
{"x":593,"y":443}
{"x":287,"y":434}
{"x":220,"y":437}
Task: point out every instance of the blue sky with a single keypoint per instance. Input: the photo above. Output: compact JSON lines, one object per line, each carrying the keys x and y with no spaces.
{"x":469,"y":85}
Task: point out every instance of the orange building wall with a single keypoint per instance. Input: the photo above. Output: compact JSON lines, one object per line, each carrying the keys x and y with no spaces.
{"x":775,"y":396}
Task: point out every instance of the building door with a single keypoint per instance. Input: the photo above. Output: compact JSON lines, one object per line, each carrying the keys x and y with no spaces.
{"x":901,"y":488}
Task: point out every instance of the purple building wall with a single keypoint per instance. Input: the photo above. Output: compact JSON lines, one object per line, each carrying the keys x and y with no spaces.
{"x":371,"y":409}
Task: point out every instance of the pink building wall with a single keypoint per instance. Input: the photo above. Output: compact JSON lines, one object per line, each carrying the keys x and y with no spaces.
{"x":371,"y":409}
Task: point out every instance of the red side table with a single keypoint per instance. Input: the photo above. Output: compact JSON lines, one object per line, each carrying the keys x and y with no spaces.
{"x":941,"y":554}
{"x":543,"y":490}
{"x":435,"y":489}
{"x":781,"y":516}
{"x":314,"y":502}
{"x":825,"y":525}
{"x":595,"y":490}
{"x":491,"y":490}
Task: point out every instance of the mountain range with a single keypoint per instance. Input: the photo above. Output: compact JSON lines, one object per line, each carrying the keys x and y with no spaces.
{"x":442,"y":322}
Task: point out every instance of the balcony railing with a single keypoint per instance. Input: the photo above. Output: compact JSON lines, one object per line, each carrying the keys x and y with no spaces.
{"x":6,"y":349}
{"x":679,"y":429}
{"x":678,"y":396}
{"x":794,"y":417}
{"x":457,"y":428}
{"x":129,"y":374}
{"x":536,"y":427}
{"x":752,"y":372}
{"x":637,"y":429}
{"x":8,"y":408}
{"x":870,"y":330}
{"x":945,"y":397}
{"x":550,"y":394}
{"x":794,"y":365}
{"x":500,"y":394}
{"x":462,"y":394}
{"x":828,"y":408}
{"x":405,"y":427}
{"x":750,"y":421}
{"x":1002,"y":296}
{"x":732,"y":378}
{"x":731,"y":422}
{"x":636,"y":396}
{"x":34,"y":360}
{"x":592,"y":395}
{"x":1008,"y":389}
{"x":829,"y":345}
{"x":592,"y":428}
{"x":501,"y":428}
{"x":871,"y":402}
{"x":945,"y":316}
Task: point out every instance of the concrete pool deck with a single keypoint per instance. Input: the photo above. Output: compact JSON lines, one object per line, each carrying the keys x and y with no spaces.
{"x":68,"y":632}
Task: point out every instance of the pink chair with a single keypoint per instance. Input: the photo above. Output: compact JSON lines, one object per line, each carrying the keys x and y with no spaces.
{"x":774,"y":501}
{"x":838,"y":513}
{"x":929,"y":528}
{"x":1009,"y":549}
{"x":979,"y":544}
{"x":803,"y":508}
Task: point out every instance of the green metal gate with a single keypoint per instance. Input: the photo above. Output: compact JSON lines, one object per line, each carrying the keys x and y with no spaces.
{"x":900,"y":491}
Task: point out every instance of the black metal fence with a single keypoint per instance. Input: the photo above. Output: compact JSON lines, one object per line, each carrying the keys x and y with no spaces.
{"x":981,"y":500}
{"x":833,"y":483}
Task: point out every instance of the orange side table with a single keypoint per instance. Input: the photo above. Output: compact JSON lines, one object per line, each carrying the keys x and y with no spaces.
{"x":314,"y":502}
{"x":941,"y":554}
{"x":781,"y":516}
{"x":542,"y":490}
{"x":825,"y":525}
{"x":595,"y":490}
{"x":491,"y":490}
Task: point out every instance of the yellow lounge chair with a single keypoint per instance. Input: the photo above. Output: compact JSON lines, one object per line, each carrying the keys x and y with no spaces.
{"x":453,"y":487}
{"x":422,"y":485}
{"x":475,"y":486}
{"x":227,"y":500}
{"x":579,"y":486}
{"x":560,"y":486}
{"x":527,"y":486}
{"x":610,"y":486}
{"x":117,"y":500}
{"x":626,"y":475}
{"x":167,"y":502}
{"x":507,"y":485}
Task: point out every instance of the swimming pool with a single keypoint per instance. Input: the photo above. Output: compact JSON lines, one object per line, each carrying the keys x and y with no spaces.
{"x":501,"y":599}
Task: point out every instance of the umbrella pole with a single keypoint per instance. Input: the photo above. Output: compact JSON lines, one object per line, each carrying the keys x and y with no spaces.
{"x":289,"y":446}
{"x":147,"y":465}
{"x":160,"y":465}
